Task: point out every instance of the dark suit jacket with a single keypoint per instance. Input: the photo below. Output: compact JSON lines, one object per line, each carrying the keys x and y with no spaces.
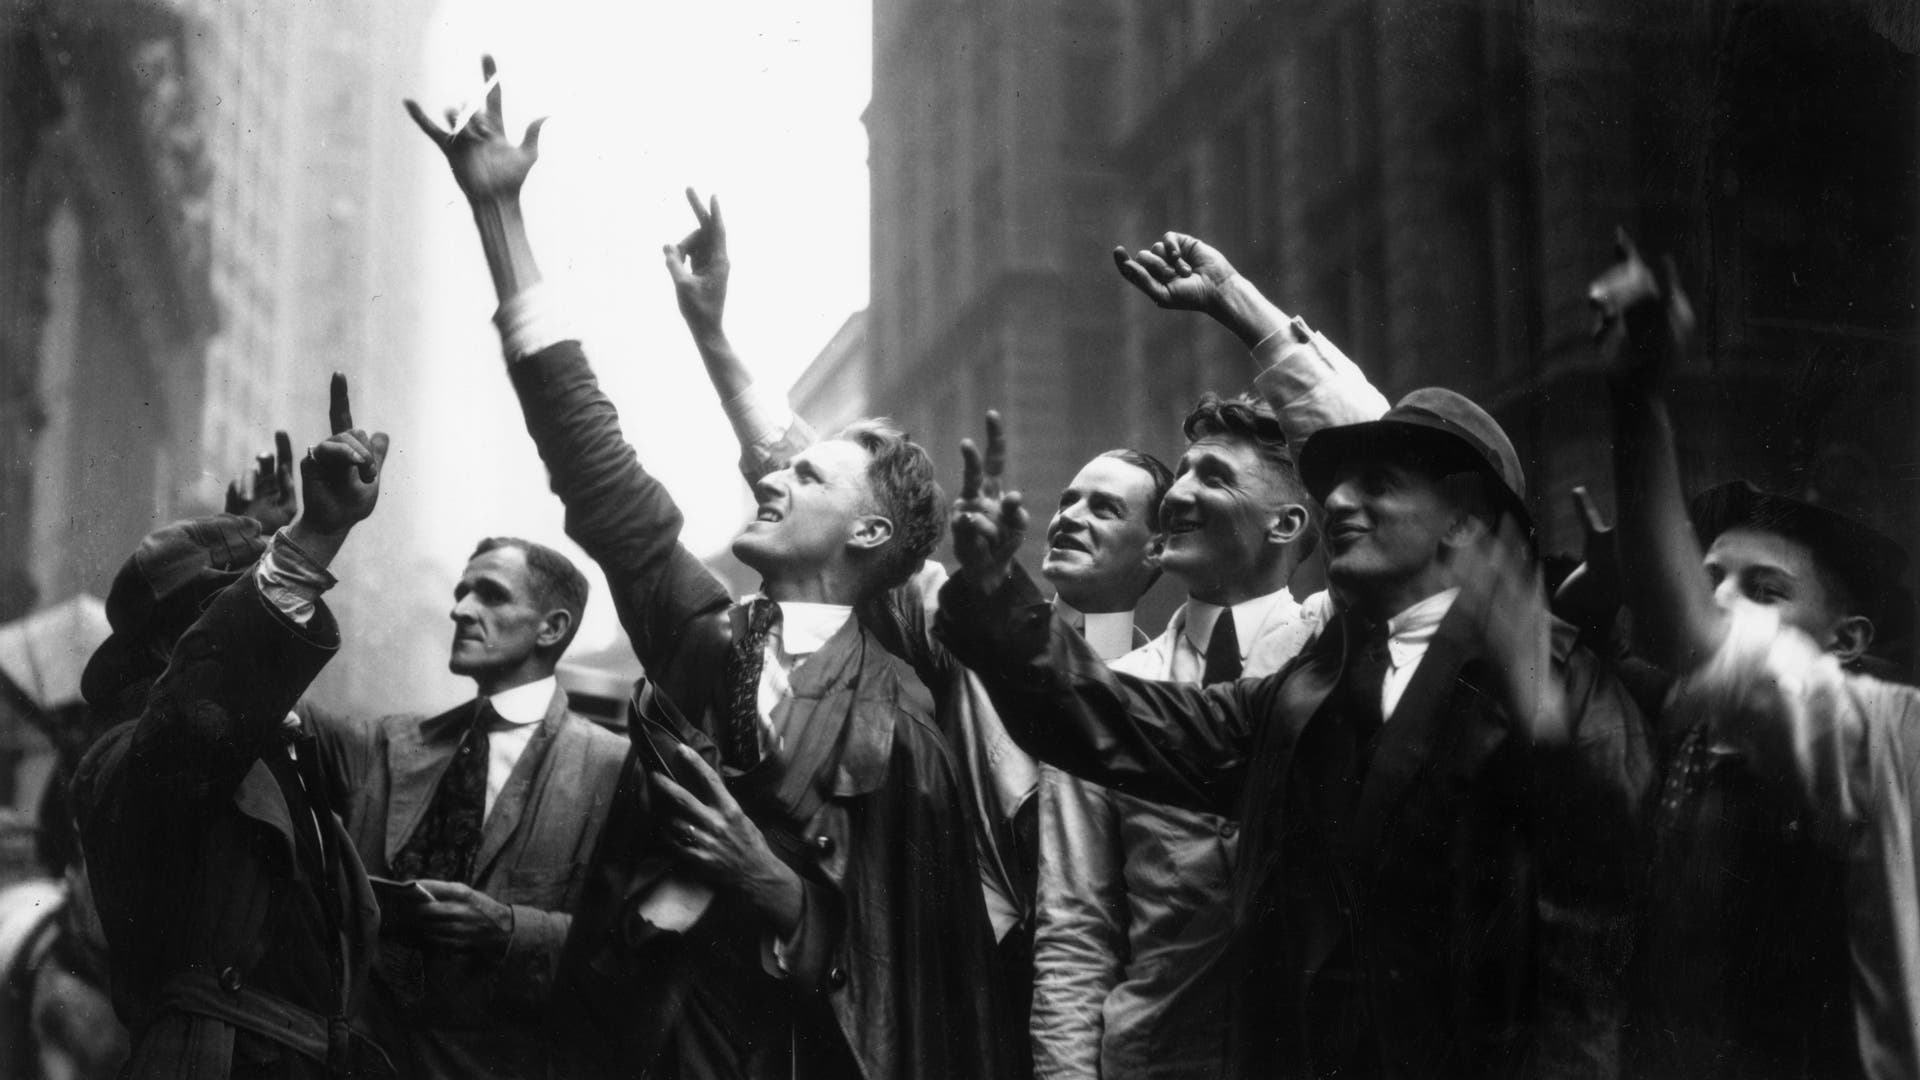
{"x":533,"y":854}
{"x":894,"y":945}
{"x":192,"y":851}
{"x":1485,"y":886}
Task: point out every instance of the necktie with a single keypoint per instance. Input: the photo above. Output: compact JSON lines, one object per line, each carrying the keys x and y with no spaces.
{"x":444,"y":844}
{"x":1223,"y":651}
{"x":745,"y":661}
{"x":1366,"y":679}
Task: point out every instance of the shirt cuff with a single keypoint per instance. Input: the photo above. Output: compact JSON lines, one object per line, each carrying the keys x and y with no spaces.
{"x":532,"y":320}
{"x":759,"y":418}
{"x":291,"y":580}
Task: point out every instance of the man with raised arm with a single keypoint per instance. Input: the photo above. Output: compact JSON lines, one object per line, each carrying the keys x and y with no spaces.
{"x":1100,"y":560}
{"x":1783,"y":938}
{"x":238,"y":918}
{"x":786,"y":885}
{"x":1437,"y":797}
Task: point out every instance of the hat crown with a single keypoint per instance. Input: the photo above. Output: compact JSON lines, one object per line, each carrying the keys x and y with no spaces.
{"x":1454,"y":413}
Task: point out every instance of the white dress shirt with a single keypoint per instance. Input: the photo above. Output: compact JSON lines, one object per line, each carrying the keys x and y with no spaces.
{"x":802,"y":629}
{"x":1408,"y":635}
{"x":1251,"y":619}
{"x":521,"y":709}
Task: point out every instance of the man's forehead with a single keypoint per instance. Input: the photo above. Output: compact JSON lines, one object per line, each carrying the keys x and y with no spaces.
{"x":834,"y":458}
{"x":506,"y":562}
{"x":1744,"y":546}
{"x":1221,"y":445}
{"x":1112,"y":476}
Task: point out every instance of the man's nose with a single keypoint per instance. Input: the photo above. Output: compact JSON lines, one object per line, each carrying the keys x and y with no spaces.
{"x":1727,"y":593}
{"x":1343,"y":497}
{"x":1180,"y":496}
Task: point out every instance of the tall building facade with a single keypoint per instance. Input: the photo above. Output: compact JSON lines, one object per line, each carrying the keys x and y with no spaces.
{"x":1432,"y":183}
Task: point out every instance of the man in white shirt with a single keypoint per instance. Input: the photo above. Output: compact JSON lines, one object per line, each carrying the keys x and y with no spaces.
{"x":491,"y":808}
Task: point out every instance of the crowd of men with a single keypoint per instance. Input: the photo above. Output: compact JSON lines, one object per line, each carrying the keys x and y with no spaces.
{"x":875,"y":821}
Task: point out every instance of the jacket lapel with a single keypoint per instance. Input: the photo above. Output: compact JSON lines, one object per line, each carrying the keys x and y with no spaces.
{"x":416,"y":756}
{"x":1411,"y":741}
{"x":514,"y":797}
{"x":259,"y":798}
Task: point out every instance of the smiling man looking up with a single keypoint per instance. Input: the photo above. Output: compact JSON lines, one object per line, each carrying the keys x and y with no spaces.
{"x":787,"y":885}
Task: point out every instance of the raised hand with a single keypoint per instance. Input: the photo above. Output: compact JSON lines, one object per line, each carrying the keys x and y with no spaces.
{"x":267,"y":495}
{"x":485,"y":163}
{"x":988,"y":523}
{"x":1504,"y":604}
{"x":1590,"y":597}
{"x":1178,"y":272}
{"x":1643,"y":321}
{"x":340,"y":477}
{"x":699,"y":267}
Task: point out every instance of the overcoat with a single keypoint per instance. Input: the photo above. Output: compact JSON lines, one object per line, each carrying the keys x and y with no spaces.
{"x":894,"y":944}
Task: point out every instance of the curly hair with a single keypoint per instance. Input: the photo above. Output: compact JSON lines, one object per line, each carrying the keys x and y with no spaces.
{"x":1252,"y":421}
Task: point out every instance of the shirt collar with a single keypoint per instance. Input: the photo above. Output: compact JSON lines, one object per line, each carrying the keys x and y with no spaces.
{"x":1249,"y":616}
{"x":1109,"y":633}
{"x":1413,"y":628}
{"x":527,"y":703}
{"x":805,"y":627}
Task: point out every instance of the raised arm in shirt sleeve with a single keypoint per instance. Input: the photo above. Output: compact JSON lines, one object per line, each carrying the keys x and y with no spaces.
{"x":1080,"y":940}
{"x":1180,"y":745}
{"x":1311,"y":384}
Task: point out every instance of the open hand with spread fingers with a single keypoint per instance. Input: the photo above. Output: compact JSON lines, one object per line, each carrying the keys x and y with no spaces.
{"x":1503,"y":600}
{"x":485,"y":162}
{"x":989,"y":523}
{"x":721,"y":844}
{"x":267,"y":494}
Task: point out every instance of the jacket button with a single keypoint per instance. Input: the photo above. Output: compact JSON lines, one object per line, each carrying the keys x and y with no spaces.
{"x":823,"y":844}
{"x":1229,"y":829}
{"x":837,"y":978}
{"x":229,"y":980}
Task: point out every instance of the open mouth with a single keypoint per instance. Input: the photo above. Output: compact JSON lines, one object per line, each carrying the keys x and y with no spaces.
{"x":767,"y":513}
{"x":1063,"y":542}
{"x":1182,"y":527}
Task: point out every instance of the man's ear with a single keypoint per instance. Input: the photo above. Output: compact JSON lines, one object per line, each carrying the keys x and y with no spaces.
{"x":870,"y":531}
{"x":1464,"y":531}
{"x":553,"y":628}
{"x":1289,"y":523}
{"x":1850,"y":638}
{"x":1156,"y":547}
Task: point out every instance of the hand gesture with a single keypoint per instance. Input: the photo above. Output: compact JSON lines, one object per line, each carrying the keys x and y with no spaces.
{"x":988,"y":524}
{"x":1643,"y":321}
{"x":1504,"y":602}
{"x":1178,"y":272}
{"x":699,"y":266}
{"x":463,"y":918}
{"x":340,"y":477}
{"x":722,"y":844}
{"x":1590,"y":596}
{"x":485,"y":164}
{"x":266,"y":495}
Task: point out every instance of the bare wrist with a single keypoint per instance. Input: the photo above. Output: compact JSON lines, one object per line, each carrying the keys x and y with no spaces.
{"x":503,"y":238}
{"x":1245,"y":311}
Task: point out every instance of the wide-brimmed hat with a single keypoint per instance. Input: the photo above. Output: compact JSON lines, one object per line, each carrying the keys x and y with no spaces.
{"x":161,"y":590}
{"x":1867,"y":561}
{"x":1433,"y":427}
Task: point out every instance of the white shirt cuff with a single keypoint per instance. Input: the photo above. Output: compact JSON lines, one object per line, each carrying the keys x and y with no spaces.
{"x":290,"y":579}
{"x":532,"y":320}
{"x":759,"y":418}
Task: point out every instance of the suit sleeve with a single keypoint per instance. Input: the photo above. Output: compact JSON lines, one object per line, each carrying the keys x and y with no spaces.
{"x":1164,"y":742}
{"x":1080,"y":943}
{"x":234,"y":676}
{"x":616,"y":511}
{"x":527,"y":973}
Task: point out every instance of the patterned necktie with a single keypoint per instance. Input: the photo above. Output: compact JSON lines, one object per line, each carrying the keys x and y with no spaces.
{"x":745,"y":661}
{"x":443,"y":846}
{"x":1223,"y":651}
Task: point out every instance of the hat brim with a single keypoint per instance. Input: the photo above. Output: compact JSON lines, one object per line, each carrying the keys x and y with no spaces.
{"x":1406,"y":442}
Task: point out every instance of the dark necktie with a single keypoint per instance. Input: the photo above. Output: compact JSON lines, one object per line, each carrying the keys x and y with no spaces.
{"x":443,"y":846}
{"x":745,"y":661}
{"x":1223,"y":651}
{"x":1366,"y":680}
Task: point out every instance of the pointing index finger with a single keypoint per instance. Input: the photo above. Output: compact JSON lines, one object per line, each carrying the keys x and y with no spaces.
{"x":339,"y":411}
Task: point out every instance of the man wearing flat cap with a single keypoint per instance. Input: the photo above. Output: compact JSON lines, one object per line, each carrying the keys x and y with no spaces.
{"x":238,"y":918}
{"x":1437,"y":799}
{"x":1783,"y":929}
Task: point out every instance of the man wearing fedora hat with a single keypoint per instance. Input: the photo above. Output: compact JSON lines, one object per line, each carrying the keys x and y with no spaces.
{"x":238,"y":919}
{"x":1783,"y":933}
{"x":1437,"y":799}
